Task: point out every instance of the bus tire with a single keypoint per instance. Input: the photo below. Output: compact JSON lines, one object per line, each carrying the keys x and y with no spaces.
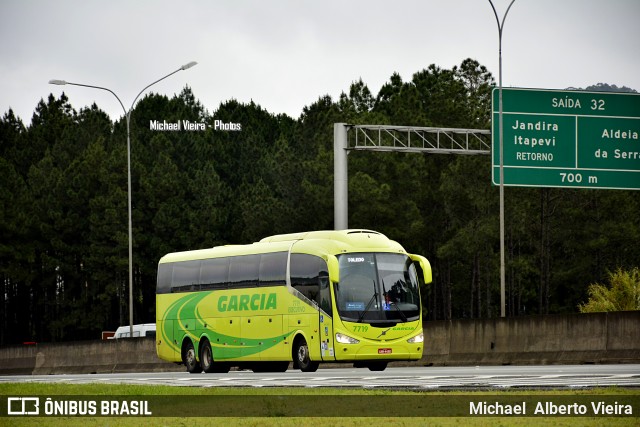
{"x":302,"y":357}
{"x":189,"y":358}
{"x":377,"y":366}
{"x":206,"y":356}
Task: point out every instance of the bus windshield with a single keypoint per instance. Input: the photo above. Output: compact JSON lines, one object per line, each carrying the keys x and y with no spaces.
{"x":377,"y":288}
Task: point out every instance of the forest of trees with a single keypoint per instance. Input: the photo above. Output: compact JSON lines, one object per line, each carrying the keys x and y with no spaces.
{"x":63,"y":204}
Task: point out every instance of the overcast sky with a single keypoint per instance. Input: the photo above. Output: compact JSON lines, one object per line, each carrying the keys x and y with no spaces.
{"x":284,"y":54}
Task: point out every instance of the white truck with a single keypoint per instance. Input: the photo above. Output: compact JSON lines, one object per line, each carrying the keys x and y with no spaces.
{"x":141,"y":330}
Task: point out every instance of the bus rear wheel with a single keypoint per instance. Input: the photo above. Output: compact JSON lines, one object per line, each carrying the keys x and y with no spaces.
{"x":189,"y":359}
{"x":302,"y":357}
{"x":206,"y":360}
{"x":206,"y":356}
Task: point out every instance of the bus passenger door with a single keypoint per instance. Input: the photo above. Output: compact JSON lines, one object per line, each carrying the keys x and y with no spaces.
{"x":327,"y":349}
{"x":326,"y":337}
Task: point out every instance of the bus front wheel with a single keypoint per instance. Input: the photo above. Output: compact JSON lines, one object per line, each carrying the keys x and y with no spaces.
{"x":303,"y":359}
{"x":189,"y":359}
{"x":377,"y":366}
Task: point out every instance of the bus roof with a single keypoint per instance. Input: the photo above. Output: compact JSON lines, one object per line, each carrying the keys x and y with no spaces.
{"x":318,"y":243}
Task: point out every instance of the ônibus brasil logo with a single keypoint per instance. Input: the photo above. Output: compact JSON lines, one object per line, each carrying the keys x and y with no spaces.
{"x":33,"y":406}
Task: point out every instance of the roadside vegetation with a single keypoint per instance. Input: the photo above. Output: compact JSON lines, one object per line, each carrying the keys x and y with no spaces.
{"x":622,"y":293}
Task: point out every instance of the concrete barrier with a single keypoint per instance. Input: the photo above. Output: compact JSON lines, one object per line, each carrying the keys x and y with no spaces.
{"x":552,"y":339}
{"x":18,"y":360}
{"x":84,"y":357}
{"x":555,"y":339}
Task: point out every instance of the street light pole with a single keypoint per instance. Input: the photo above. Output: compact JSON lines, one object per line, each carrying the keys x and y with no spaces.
{"x":127,"y":115}
{"x":502,"y":258}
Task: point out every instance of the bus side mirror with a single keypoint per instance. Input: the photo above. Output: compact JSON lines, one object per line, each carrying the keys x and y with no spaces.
{"x":334,"y":268}
{"x":424,"y":264}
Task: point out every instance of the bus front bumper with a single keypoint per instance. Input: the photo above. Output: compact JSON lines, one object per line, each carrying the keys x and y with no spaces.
{"x":379,"y":351}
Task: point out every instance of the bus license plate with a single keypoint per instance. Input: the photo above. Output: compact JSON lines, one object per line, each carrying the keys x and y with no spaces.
{"x":384,"y":351}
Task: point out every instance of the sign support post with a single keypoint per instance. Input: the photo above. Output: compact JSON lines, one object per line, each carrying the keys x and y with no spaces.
{"x":502,"y":257}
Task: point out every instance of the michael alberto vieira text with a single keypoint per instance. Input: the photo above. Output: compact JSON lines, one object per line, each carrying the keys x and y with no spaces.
{"x":550,"y":408}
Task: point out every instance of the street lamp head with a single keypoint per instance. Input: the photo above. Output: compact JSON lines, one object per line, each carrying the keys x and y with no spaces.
{"x":57,"y":82}
{"x":189,"y":65}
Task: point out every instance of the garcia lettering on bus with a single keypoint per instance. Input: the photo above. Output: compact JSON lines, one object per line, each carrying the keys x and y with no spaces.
{"x":245,"y":302}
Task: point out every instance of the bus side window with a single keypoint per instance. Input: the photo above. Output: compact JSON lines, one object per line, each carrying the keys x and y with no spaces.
{"x":165,"y":271}
{"x":186,"y":276}
{"x":309,"y":275}
{"x":243,"y":271}
{"x":273,"y":269}
{"x":214,"y":273}
{"x":325,"y":294}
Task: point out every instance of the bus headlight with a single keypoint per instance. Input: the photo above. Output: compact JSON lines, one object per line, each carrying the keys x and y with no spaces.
{"x":345,"y":339}
{"x":418,"y":338}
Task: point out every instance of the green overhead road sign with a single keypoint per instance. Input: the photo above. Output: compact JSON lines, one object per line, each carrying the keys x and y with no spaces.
{"x":578,"y":139}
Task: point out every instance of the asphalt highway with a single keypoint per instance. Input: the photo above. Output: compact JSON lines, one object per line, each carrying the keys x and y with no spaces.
{"x":416,"y":378}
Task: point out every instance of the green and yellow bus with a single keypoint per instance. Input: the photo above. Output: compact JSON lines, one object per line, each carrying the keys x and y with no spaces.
{"x":321,"y":296}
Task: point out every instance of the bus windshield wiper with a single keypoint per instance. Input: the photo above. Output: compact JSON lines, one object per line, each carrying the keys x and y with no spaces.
{"x":402,"y":315}
{"x":374,"y":297}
